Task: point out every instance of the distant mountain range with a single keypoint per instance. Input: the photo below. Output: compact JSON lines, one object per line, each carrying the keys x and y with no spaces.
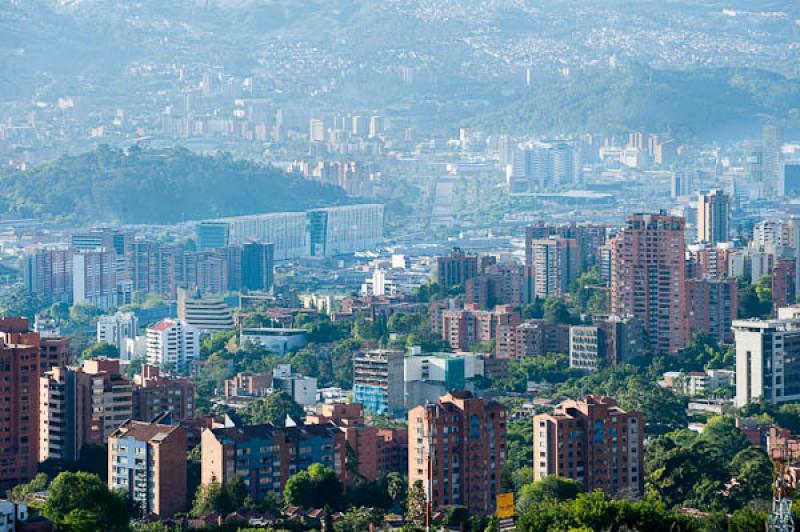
{"x":701,"y":103}
{"x":156,"y":187}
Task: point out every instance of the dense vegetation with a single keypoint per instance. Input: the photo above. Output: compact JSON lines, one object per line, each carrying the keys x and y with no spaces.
{"x":144,"y":186}
{"x":703,"y":102}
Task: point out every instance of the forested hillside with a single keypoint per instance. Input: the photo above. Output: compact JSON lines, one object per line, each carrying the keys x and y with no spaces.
{"x":137,"y":186}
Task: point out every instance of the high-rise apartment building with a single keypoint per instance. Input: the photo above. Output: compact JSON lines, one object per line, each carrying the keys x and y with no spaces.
{"x":148,"y":460}
{"x":648,"y":276}
{"x":593,"y":441}
{"x":767,"y":361}
{"x":555,"y":262}
{"x":540,"y":165}
{"x":172,"y":344}
{"x":155,"y":393}
{"x":713,"y":217}
{"x":609,"y":341}
{"x":378,"y":380}
{"x":712,"y":307}
{"x":771,"y":141}
{"x":94,"y":279}
{"x":457,"y":449}
{"x":48,"y":273}
{"x":463,"y":328}
{"x":80,"y":406}
{"x":19,"y":402}
{"x":116,"y":329}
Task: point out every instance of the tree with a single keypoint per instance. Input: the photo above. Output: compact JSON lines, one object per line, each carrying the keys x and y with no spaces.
{"x":416,"y":503}
{"x":552,"y":488}
{"x":99,"y":350}
{"x":222,"y":498}
{"x":396,"y":488}
{"x":83,"y":313}
{"x":20,"y":302}
{"x":755,"y":300}
{"x":83,"y":500}
{"x":357,"y":520}
{"x":272,"y":409}
{"x":316,"y":487}
{"x":556,"y":311}
{"x":23,"y":492}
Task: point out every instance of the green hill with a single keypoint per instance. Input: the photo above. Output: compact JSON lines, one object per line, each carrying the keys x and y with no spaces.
{"x":703,"y":103}
{"x":156,"y":187}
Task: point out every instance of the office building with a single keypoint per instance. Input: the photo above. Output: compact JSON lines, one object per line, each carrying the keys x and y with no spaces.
{"x":19,"y":414}
{"x":680,"y":185}
{"x":212,"y":235}
{"x":429,"y":376}
{"x":713,"y":217}
{"x":80,"y":406}
{"x":285,"y":230}
{"x":767,"y":361}
{"x":303,"y":390}
{"x":321,"y":232}
{"x":790,"y":184}
{"x":593,"y":441}
{"x":172,"y":345}
{"x":712,"y":307}
{"x":648,"y":278}
{"x":148,"y":460}
{"x":204,"y":313}
{"x":378,"y":380}
{"x":457,"y":449}
{"x":155,"y":393}
{"x":344,"y":230}
{"x":454,"y":269}
{"x":257,"y":265}
{"x":116,"y":329}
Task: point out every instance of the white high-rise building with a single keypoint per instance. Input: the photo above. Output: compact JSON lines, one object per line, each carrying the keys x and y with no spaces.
{"x":172,"y":344}
{"x":116,"y":329}
{"x":767,"y":360}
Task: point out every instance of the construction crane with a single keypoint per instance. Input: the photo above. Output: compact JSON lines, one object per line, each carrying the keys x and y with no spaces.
{"x":780,"y":517}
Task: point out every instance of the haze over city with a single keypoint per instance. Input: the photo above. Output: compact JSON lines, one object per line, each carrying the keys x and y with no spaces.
{"x":412,"y":265}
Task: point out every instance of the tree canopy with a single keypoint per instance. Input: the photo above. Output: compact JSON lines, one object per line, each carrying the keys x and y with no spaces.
{"x":82,"y":501}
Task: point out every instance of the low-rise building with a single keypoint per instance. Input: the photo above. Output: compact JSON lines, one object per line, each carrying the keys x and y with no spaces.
{"x":274,"y":339}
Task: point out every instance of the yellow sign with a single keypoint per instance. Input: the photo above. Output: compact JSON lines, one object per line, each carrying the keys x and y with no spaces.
{"x":505,"y":505}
